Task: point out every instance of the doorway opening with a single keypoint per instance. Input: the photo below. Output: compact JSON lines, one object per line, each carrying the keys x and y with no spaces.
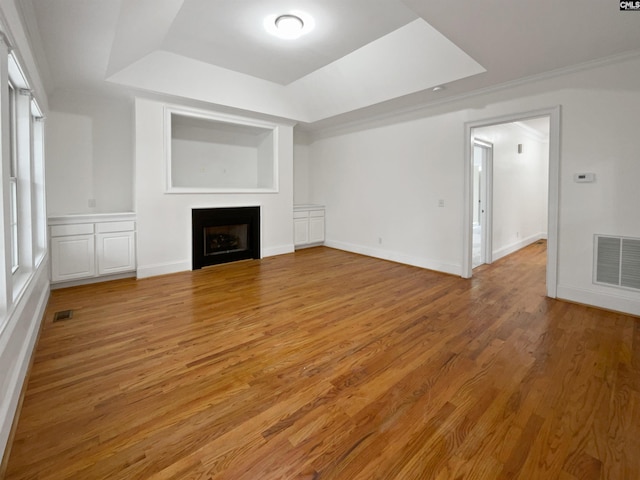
{"x":482,"y":192}
{"x":510,"y":200}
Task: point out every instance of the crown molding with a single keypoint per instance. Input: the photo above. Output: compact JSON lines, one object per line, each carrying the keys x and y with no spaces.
{"x":389,"y":117}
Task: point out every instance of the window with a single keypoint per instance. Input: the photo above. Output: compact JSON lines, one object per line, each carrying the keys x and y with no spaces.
{"x":39,"y":221}
{"x":23,"y":213}
{"x":13,"y":180}
{"x":24,"y":219}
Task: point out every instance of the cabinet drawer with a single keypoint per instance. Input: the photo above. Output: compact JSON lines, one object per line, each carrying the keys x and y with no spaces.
{"x":73,"y":229}
{"x":301,"y":214}
{"x":316,"y":213}
{"x":109,"y":227}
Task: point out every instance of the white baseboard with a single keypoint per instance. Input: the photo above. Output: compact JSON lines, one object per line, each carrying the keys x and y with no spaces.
{"x":606,"y":300}
{"x":309,"y":245}
{"x":397,"y":257}
{"x":514,"y":247}
{"x":279,"y":250}
{"x":145,"y":271}
{"x":87,"y":281}
{"x":17,"y":342}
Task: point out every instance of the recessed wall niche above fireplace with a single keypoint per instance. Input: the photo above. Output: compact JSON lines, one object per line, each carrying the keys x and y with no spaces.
{"x":214,"y":153}
{"x":221,"y":235}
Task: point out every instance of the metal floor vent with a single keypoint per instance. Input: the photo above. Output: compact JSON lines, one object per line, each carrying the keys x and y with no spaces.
{"x":63,"y":315}
{"x":617,"y":261}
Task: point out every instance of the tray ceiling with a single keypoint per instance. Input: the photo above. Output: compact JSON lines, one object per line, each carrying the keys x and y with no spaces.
{"x":362,"y":53}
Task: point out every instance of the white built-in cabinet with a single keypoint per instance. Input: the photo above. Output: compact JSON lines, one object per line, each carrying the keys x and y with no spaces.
{"x":92,"y":247}
{"x":308,"y":225}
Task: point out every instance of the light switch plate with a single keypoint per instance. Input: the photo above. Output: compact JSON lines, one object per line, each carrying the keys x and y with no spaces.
{"x":584,"y":177}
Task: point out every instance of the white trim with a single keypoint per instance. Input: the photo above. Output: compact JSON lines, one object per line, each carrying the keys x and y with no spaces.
{"x":17,"y":75}
{"x":145,"y":271}
{"x":88,"y":281}
{"x":36,"y":111}
{"x":424,"y":107}
{"x":153,"y":270}
{"x":554,"y":186}
{"x":487,"y":228}
{"x":200,"y":190}
{"x":514,"y":247}
{"x":17,"y":36}
{"x":278,"y":250}
{"x":397,"y":257}
{"x":553,"y":222}
{"x":17,"y":341}
{"x":608,"y":301}
{"x":91,"y":218}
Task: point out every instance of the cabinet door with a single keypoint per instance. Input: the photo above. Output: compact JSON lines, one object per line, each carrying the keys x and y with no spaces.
{"x":300,"y":231}
{"x":316,"y":229}
{"x":116,"y":252}
{"x":72,"y":257}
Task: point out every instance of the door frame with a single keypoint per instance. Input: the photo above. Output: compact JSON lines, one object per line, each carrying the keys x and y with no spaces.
{"x":486,"y":183}
{"x":554,"y":187}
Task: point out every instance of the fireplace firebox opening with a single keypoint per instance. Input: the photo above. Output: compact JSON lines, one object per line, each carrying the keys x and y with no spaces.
{"x":221,"y":235}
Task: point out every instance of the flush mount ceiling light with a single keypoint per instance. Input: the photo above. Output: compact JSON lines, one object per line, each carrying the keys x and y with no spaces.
{"x":289,"y":25}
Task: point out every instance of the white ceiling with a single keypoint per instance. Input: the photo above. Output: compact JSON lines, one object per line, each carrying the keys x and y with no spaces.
{"x":363,"y":57}
{"x":230,"y":34}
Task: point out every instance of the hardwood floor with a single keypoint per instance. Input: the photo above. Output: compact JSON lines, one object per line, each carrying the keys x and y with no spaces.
{"x":328,"y":365}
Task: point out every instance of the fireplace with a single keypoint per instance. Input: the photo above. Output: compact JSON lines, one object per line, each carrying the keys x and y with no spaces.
{"x":221,"y":235}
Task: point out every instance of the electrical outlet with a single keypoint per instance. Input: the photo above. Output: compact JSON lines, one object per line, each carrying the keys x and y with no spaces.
{"x":379,"y":240}
{"x":441,"y":202}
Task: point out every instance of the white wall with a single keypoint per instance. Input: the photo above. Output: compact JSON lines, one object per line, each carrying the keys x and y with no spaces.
{"x":266,"y":161}
{"x":164,"y":220}
{"x":381,"y":188}
{"x":381,"y":182}
{"x":69,"y":171}
{"x":196,"y":162}
{"x":520,"y":187}
{"x":300,"y":173}
{"x":89,"y":145}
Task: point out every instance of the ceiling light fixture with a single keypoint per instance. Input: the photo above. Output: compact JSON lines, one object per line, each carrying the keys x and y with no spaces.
{"x":290,"y":25}
{"x":439,"y":88}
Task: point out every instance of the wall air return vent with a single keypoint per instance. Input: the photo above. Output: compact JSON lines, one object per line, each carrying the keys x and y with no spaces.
{"x":617,"y":261}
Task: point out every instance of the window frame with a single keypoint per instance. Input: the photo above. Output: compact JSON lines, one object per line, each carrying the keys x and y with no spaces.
{"x":14,"y":223}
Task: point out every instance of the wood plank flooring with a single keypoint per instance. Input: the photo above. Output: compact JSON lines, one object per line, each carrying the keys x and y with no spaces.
{"x":328,"y":365}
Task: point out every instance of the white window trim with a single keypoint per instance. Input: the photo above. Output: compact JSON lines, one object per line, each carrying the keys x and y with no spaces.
{"x":13,"y":179}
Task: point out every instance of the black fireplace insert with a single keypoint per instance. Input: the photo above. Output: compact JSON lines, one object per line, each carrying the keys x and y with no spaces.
{"x":221,"y":235}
